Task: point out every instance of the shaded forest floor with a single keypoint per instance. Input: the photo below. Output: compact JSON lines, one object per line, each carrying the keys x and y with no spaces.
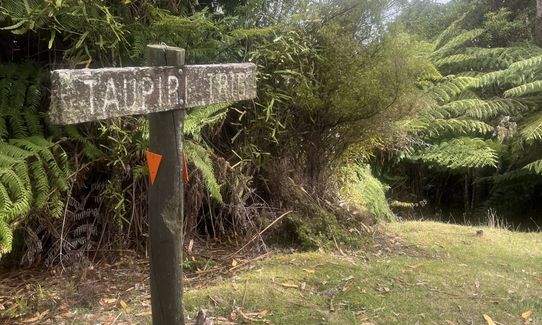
{"x":413,"y":273}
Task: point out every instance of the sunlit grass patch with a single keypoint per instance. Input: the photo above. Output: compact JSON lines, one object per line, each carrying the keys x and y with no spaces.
{"x":460,"y":276}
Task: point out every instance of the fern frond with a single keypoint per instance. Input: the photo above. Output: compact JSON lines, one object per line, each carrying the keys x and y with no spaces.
{"x":450,"y":32}
{"x":534,"y":167}
{"x":535,"y":61}
{"x":6,"y":237}
{"x":439,"y":127}
{"x":491,"y":78}
{"x":197,"y":119}
{"x":525,"y":89}
{"x":450,"y":88}
{"x":20,"y":196}
{"x":199,"y":156}
{"x":460,"y":40}
{"x":40,"y":184}
{"x":531,"y":128}
{"x":460,"y":153}
{"x":488,"y":109}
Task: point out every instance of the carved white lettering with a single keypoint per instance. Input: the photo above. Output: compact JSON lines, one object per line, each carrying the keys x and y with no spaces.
{"x":223,"y":85}
{"x":173,"y":90}
{"x":241,"y":87}
{"x":160,"y":91}
{"x":145,"y":92}
{"x":90,"y":83}
{"x":130,"y":106}
{"x":110,"y":95}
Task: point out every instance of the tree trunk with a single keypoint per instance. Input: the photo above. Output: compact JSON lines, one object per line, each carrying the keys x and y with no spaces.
{"x":538,"y":23}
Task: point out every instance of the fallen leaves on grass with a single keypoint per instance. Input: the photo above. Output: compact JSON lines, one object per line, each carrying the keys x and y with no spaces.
{"x":108,"y":301}
{"x":37,"y":316}
{"x":124,"y":306}
{"x":488,"y":319}
{"x":143,"y":314}
{"x":289,"y":285}
{"x":383,"y":290}
{"x":309,"y":270}
{"x":525,"y":315}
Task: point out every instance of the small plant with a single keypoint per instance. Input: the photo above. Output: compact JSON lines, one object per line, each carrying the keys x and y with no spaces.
{"x":494,"y":221}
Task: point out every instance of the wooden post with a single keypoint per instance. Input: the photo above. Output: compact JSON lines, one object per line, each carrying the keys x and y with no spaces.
{"x":162,"y":92}
{"x":166,"y":213}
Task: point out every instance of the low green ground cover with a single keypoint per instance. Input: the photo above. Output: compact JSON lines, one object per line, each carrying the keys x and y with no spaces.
{"x":422,"y":272}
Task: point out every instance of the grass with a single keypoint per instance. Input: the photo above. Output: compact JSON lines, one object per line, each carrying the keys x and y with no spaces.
{"x":412,"y":273}
{"x":424,"y":273}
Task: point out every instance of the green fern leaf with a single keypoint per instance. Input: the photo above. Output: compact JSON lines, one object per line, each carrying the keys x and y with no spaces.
{"x":531,"y":129}
{"x":457,"y":42}
{"x":525,"y":89}
{"x":200,"y":157}
{"x":460,"y":153}
{"x":534,"y":167}
{"x":6,"y":237}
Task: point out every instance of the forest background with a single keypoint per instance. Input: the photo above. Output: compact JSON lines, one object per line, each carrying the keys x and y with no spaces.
{"x":367,"y":111}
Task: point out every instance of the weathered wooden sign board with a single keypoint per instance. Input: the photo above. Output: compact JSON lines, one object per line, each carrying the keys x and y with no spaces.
{"x":163,"y":91}
{"x":95,"y":94}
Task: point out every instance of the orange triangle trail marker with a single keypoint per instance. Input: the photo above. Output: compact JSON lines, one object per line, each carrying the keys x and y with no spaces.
{"x":153,"y":161}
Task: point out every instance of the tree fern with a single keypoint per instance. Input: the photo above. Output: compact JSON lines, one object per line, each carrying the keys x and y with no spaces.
{"x":460,"y":153}
{"x":490,"y":118}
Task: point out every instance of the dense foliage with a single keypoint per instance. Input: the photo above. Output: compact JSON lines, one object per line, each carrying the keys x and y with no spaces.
{"x":441,"y":100}
{"x":483,"y":122}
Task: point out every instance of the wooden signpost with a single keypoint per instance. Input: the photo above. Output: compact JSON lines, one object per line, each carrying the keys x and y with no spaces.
{"x":163,"y":91}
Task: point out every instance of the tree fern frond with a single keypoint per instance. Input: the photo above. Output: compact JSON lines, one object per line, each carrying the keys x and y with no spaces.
{"x":460,"y":107}
{"x":21,"y":197}
{"x":492,"y":108}
{"x":534,"y":167}
{"x":451,"y":87}
{"x":197,"y":119}
{"x":525,"y":89}
{"x":491,"y":78}
{"x":6,"y":237}
{"x":531,"y":128}
{"x":460,"y":153}
{"x":199,"y":156}
{"x":457,"y":42}
{"x":40,"y":184}
{"x":449,"y":32}
{"x":439,"y":127}
{"x":535,"y":61}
